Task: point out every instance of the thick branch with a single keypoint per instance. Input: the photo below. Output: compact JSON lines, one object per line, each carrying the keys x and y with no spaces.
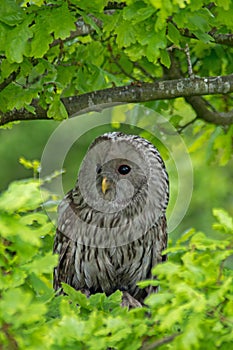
{"x":200,"y":107}
{"x":142,"y":92}
{"x":221,"y":39}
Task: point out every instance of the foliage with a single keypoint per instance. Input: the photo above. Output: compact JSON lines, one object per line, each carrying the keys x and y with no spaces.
{"x":192,"y":310}
{"x":53,"y":50}
{"x":58,"y":49}
{"x":26,"y":263}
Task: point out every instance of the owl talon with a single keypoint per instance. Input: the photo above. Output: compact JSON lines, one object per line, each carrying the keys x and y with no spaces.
{"x":129,"y":301}
{"x":85,"y":292}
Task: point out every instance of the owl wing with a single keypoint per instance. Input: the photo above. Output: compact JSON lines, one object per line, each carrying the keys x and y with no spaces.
{"x":64,"y":246}
{"x":65,"y":271}
{"x":161,"y":241}
{"x":159,"y":234}
{"x":145,"y":253}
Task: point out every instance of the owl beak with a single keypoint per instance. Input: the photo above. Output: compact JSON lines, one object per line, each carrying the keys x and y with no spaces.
{"x":105,"y":185}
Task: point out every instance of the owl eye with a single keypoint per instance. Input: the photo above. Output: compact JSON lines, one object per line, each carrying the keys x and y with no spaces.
{"x":124,"y":169}
{"x":98,"y":168}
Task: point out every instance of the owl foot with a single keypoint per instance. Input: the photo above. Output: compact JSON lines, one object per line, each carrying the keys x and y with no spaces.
{"x":129,"y":301}
{"x":85,"y":292}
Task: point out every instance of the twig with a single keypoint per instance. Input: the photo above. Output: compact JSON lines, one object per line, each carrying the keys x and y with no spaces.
{"x":181,"y":128}
{"x":143,"y":70}
{"x":122,"y":69}
{"x":159,"y":342}
{"x":9,"y":79}
{"x":190,"y":68}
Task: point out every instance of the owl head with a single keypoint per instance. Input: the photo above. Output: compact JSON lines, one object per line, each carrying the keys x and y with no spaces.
{"x":123,"y":171}
{"x":121,"y":192}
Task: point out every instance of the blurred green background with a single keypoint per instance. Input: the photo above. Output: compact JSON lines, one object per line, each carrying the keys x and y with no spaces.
{"x":212,"y":183}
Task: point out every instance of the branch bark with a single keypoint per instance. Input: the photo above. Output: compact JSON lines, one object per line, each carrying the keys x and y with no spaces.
{"x":202,"y":111}
{"x":141,"y":92}
{"x":218,"y":38}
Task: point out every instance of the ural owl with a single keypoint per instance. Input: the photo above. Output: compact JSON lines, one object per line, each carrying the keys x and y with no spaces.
{"x":112,"y":224}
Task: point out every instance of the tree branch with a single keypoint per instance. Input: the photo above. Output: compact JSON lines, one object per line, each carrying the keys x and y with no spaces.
{"x":200,"y":107}
{"x":160,"y":342}
{"x":142,"y":92}
{"x":115,"y":5}
{"x":9,"y":79}
{"x":116,"y":61}
{"x":221,"y":39}
{"x":82,"y":29}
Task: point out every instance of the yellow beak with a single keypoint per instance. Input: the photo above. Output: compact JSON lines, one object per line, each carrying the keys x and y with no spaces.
{"x":105,"y":185}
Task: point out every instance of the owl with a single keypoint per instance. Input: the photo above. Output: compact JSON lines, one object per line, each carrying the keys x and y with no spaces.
{"x":111,"y":226}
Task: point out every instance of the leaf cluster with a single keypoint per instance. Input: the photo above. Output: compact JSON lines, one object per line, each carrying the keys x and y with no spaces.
{"x":54,"y":50}
{"x":26,"y":262}
{"x":193,"y":308}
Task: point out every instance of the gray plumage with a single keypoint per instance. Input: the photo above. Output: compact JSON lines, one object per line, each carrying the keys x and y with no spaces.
{"x":112,"y":225}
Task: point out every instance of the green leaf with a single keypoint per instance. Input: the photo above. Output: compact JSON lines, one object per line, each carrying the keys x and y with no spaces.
{"x":143,"y":284}
{"x":90,"y":21}
{"x":155,"y":45}
{"x":224,"y":219}
{"x":206,"y":38}
{"x":61,"y":21}
{"x":35,"y":164}
{"x":223,"y":3}
{"x":10,"y":12}
{"x":21,"y":196}
{"x":154,"y":300}
{"x":165,"y":58}
{"x":76,"y":296}
{"x":113,"y":301}
{"x":136,"y":12}
{"x":201,"y":20}
{"x":185,"y":236}
{"x":175,"y":120}
{"x":7,"y":68}
{"x":190,"y":338}
{"x":97,"y":300}
{"x":42,"y":37}
{"x":13,"y":279}
{"x":90,"y":6}
{"x":200,"y":241}
{"x":135,"y":52}
{"x":125,"y":34}
{"x":111,"y":22}
{"x":223,"y":143}
{"x":57,"y":109}
{"x":14,"y":303}
{"x":42,"y":264}
{"x":173,"y":34}
{"x":71,"y":328}
{"x":210,"y":149}
{"x":17,"y":42}
{"x":199,"y":142}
